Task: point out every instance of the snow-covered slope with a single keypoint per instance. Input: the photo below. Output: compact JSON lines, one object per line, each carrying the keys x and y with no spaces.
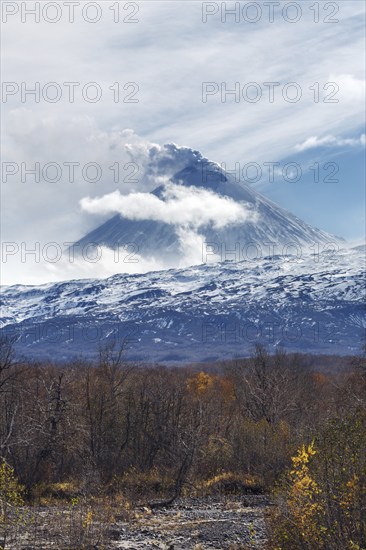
{"x":269,"y":226}
{"x":315,"y":304}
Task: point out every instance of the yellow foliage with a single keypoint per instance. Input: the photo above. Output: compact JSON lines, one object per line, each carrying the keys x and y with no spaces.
{"x":350,"y":494}
{"x":10,"y":490}
{"x":11,"y":500}
{"x":88,"y":520}
{"x":225,"y":476}
{"x":200,"y":384}
{"x":247,"y":481}
{"x":302,"y":498}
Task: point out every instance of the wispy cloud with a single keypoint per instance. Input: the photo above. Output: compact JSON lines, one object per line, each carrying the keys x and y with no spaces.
{"x":330,"y":141}
{"x":160,"y":54}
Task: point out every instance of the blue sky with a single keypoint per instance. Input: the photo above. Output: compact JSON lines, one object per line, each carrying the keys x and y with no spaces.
{"x":169,"y":53}
{"x":335,"y":200}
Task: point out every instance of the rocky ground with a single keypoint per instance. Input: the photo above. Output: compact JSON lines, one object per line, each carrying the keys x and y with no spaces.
{"x":230,"y":522}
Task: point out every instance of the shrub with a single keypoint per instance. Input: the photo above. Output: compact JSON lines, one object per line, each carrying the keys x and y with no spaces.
{"x":322,"y":499}
{"x":11,"y":502}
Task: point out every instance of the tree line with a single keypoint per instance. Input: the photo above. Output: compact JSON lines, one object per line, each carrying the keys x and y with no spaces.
{"x":269,"y":423}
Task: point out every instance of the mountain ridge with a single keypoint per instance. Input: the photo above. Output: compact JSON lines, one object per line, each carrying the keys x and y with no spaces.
{"x":204,"y":312}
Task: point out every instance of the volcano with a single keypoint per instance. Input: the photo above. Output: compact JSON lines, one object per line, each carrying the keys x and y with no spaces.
{"x":268,"y":230}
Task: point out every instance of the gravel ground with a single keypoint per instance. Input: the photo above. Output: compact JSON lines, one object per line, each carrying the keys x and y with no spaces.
{"x":200,"y":523}
{"x":231,"y":522}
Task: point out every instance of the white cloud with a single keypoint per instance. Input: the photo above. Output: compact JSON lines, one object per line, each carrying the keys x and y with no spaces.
{"x":102,"y":262}
{"x":180,"y":205}
{"x":106,"y":263}
{"x":330,"y":141}
{"x":351,"y":88}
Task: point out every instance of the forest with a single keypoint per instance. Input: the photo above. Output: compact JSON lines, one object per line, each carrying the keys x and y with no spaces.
{"x":84,"y":442}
